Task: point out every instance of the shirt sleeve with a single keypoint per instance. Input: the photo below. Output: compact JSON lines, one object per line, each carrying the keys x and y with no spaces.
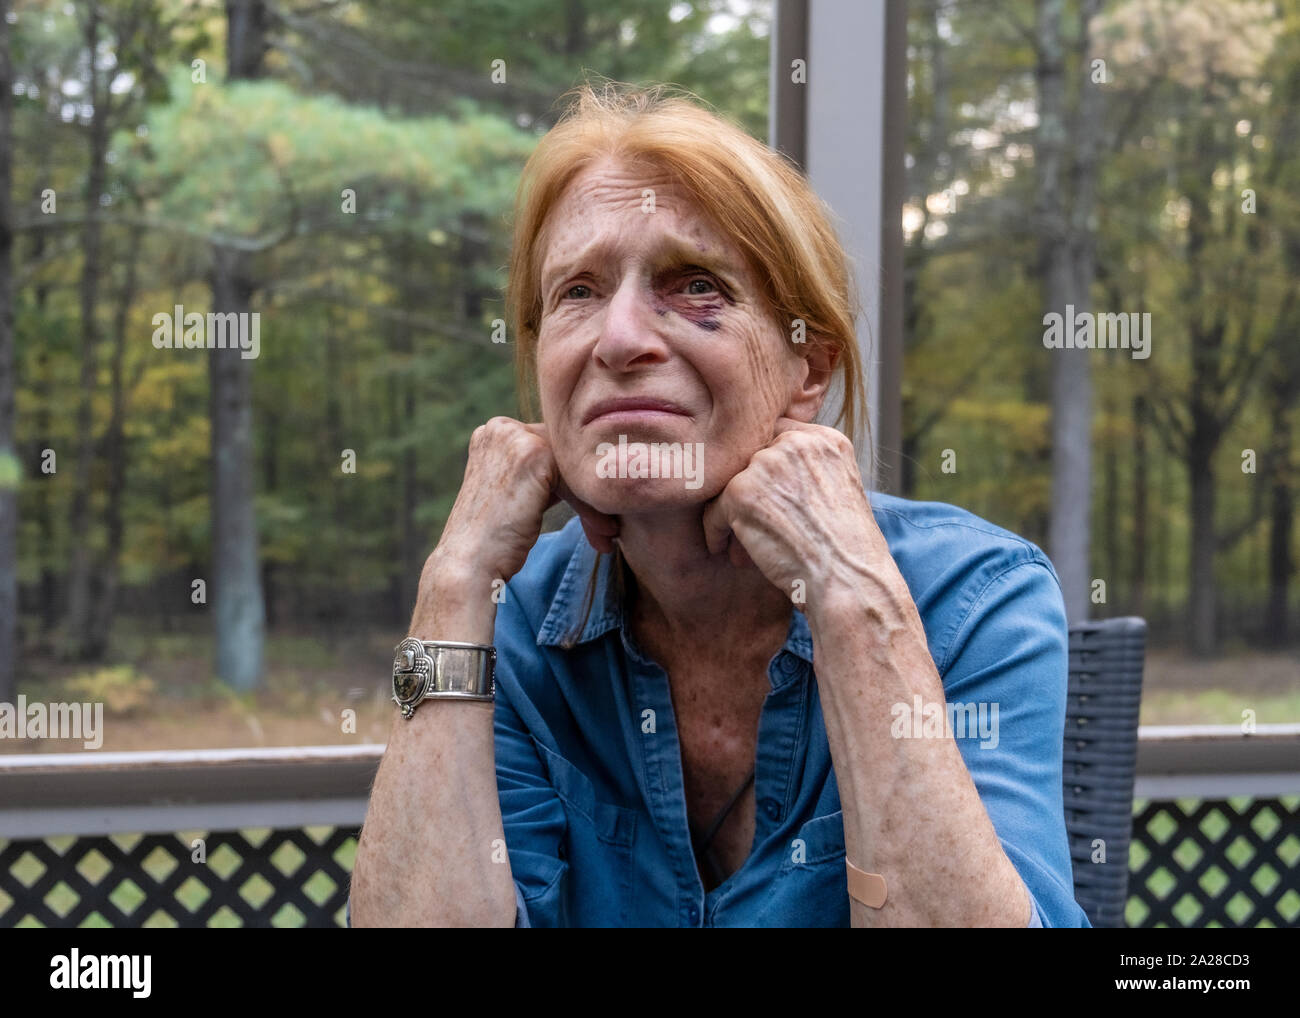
{"x":531,"y":812}
{"x":1009,"y":660}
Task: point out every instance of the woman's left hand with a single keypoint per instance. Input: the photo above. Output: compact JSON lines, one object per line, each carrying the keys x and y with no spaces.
{"x":799,"y":513}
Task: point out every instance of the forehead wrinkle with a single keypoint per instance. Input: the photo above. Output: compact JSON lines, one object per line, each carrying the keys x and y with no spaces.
{"x":662,"y":248}
{"x":620,"y":184}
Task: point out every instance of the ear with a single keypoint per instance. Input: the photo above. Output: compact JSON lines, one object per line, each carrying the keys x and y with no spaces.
{"x":814,"y":379}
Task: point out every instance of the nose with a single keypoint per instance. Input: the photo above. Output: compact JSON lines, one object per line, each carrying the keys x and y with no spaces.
{"x":629,"y":337}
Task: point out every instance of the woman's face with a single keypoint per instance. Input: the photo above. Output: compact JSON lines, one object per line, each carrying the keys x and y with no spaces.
{"x":657,"y":353}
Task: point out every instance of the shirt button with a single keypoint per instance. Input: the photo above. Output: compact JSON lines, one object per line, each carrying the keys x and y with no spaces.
{"x":772,"y":808}
{"x":692,"y":914}
{"x":789,"y":664}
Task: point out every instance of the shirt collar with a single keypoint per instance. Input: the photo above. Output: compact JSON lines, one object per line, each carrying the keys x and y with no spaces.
{"x":570,"y":602}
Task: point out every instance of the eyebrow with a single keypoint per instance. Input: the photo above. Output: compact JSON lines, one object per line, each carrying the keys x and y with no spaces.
{"x":673,"y":246}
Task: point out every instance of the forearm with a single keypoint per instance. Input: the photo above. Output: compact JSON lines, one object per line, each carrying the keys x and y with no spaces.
{"x":432,"y":851}
{"x":911,"y":811}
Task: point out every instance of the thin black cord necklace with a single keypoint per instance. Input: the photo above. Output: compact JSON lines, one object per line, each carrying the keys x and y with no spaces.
{"x":703,"y":856}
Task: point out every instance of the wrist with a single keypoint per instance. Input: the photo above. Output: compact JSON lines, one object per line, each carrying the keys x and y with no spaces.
{"x":858,"y":595}
{"x":455,"y":602}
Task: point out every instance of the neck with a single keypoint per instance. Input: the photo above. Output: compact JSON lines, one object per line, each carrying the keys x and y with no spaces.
{"x":691,"y":600}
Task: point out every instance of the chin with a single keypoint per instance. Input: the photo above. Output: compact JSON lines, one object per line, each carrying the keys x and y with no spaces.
{"x":619,"y":497}
{"x":636,"y":478}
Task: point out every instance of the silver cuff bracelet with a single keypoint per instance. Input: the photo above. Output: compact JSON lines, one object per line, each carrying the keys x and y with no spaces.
{"x":442,"y":669}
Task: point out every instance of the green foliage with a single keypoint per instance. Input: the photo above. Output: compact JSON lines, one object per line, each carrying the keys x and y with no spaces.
{"x":254,"y":159}
{"x":375,"y":324}
{"x":371,"y":171}
{"x":1199,"y":104}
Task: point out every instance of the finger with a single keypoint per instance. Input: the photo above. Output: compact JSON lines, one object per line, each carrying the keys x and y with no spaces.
{"x":784,"y":424}
{"x":600,"y":528}
{"x":717,"y":524}
{"x":594,"y":522}
{"x":739,"y":556}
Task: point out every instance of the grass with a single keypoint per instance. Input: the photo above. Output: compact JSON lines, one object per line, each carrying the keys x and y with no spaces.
{"x":308,"y":686}
{"x":304,"y":699}
{"x":1218,"y":707}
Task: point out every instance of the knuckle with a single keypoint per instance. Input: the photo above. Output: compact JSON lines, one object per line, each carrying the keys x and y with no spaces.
{"x":742,"y":486}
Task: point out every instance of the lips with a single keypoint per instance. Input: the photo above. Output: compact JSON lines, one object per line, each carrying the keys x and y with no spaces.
{"x":632,"y":404}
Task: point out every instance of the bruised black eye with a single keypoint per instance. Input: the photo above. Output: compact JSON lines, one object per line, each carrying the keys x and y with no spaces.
{"x":697,"y":282}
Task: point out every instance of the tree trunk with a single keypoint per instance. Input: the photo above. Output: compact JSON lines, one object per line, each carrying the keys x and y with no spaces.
{"x":397,"y":600}
{"x":238,"y":610}
{"x":1206,"y":330}
{"x":42,"y":390}
{"x":246,"y":27}
{"x":1283,"y":389}
{"x":1202,"y":607}
{"x":334,"y":609}
{"x":1280,"y":564}
{"x":10,"y":469}
{"x":270,"y":485}
{"x":1138,"y":579}
{"x":77,"y":640}
{"x":1110,"y":507}
{"x":414,"y":547}
{"x":236,"y":581}
{"x":115,"y":453}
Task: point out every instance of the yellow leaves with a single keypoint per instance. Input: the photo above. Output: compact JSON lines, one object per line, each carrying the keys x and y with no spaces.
{"x":172,"y":372}
{"x":182,"y":446}
{"x":374,"y":469}
{"x":280,"y":148}
{"x":1193,"y":42}
{"x":1017,"y":424}
{"x":122,"y":690}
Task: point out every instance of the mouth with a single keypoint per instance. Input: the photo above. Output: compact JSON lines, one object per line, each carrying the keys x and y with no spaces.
{"x":632,"y":408}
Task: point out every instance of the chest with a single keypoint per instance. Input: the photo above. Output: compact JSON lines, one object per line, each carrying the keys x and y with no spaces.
{"x":717,"y":731}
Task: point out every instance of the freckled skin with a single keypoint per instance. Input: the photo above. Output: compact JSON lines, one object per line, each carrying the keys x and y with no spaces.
{"x":625,"y":313}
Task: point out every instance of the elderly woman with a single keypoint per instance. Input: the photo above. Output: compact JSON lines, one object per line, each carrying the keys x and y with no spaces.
{"x":734,"y":690}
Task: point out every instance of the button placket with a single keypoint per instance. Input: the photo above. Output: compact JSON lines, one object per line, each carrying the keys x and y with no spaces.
{"x":664,"y":775}
{"x":779,"y":729}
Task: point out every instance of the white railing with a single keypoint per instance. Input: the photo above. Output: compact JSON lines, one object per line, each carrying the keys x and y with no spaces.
{"x":49,"y":794}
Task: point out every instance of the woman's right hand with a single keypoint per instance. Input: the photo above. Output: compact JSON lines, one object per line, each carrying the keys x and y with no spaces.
{"x":511,"y":479}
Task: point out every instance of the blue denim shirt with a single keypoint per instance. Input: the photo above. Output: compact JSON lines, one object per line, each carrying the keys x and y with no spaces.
{"x":589,"y":765}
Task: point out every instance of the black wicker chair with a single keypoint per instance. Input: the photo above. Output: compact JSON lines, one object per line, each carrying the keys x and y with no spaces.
{"x":1101,"y":722}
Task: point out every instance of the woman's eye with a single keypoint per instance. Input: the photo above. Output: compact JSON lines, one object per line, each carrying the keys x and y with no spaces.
{"x":573,"y":292}
{"x":698,"y":281}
